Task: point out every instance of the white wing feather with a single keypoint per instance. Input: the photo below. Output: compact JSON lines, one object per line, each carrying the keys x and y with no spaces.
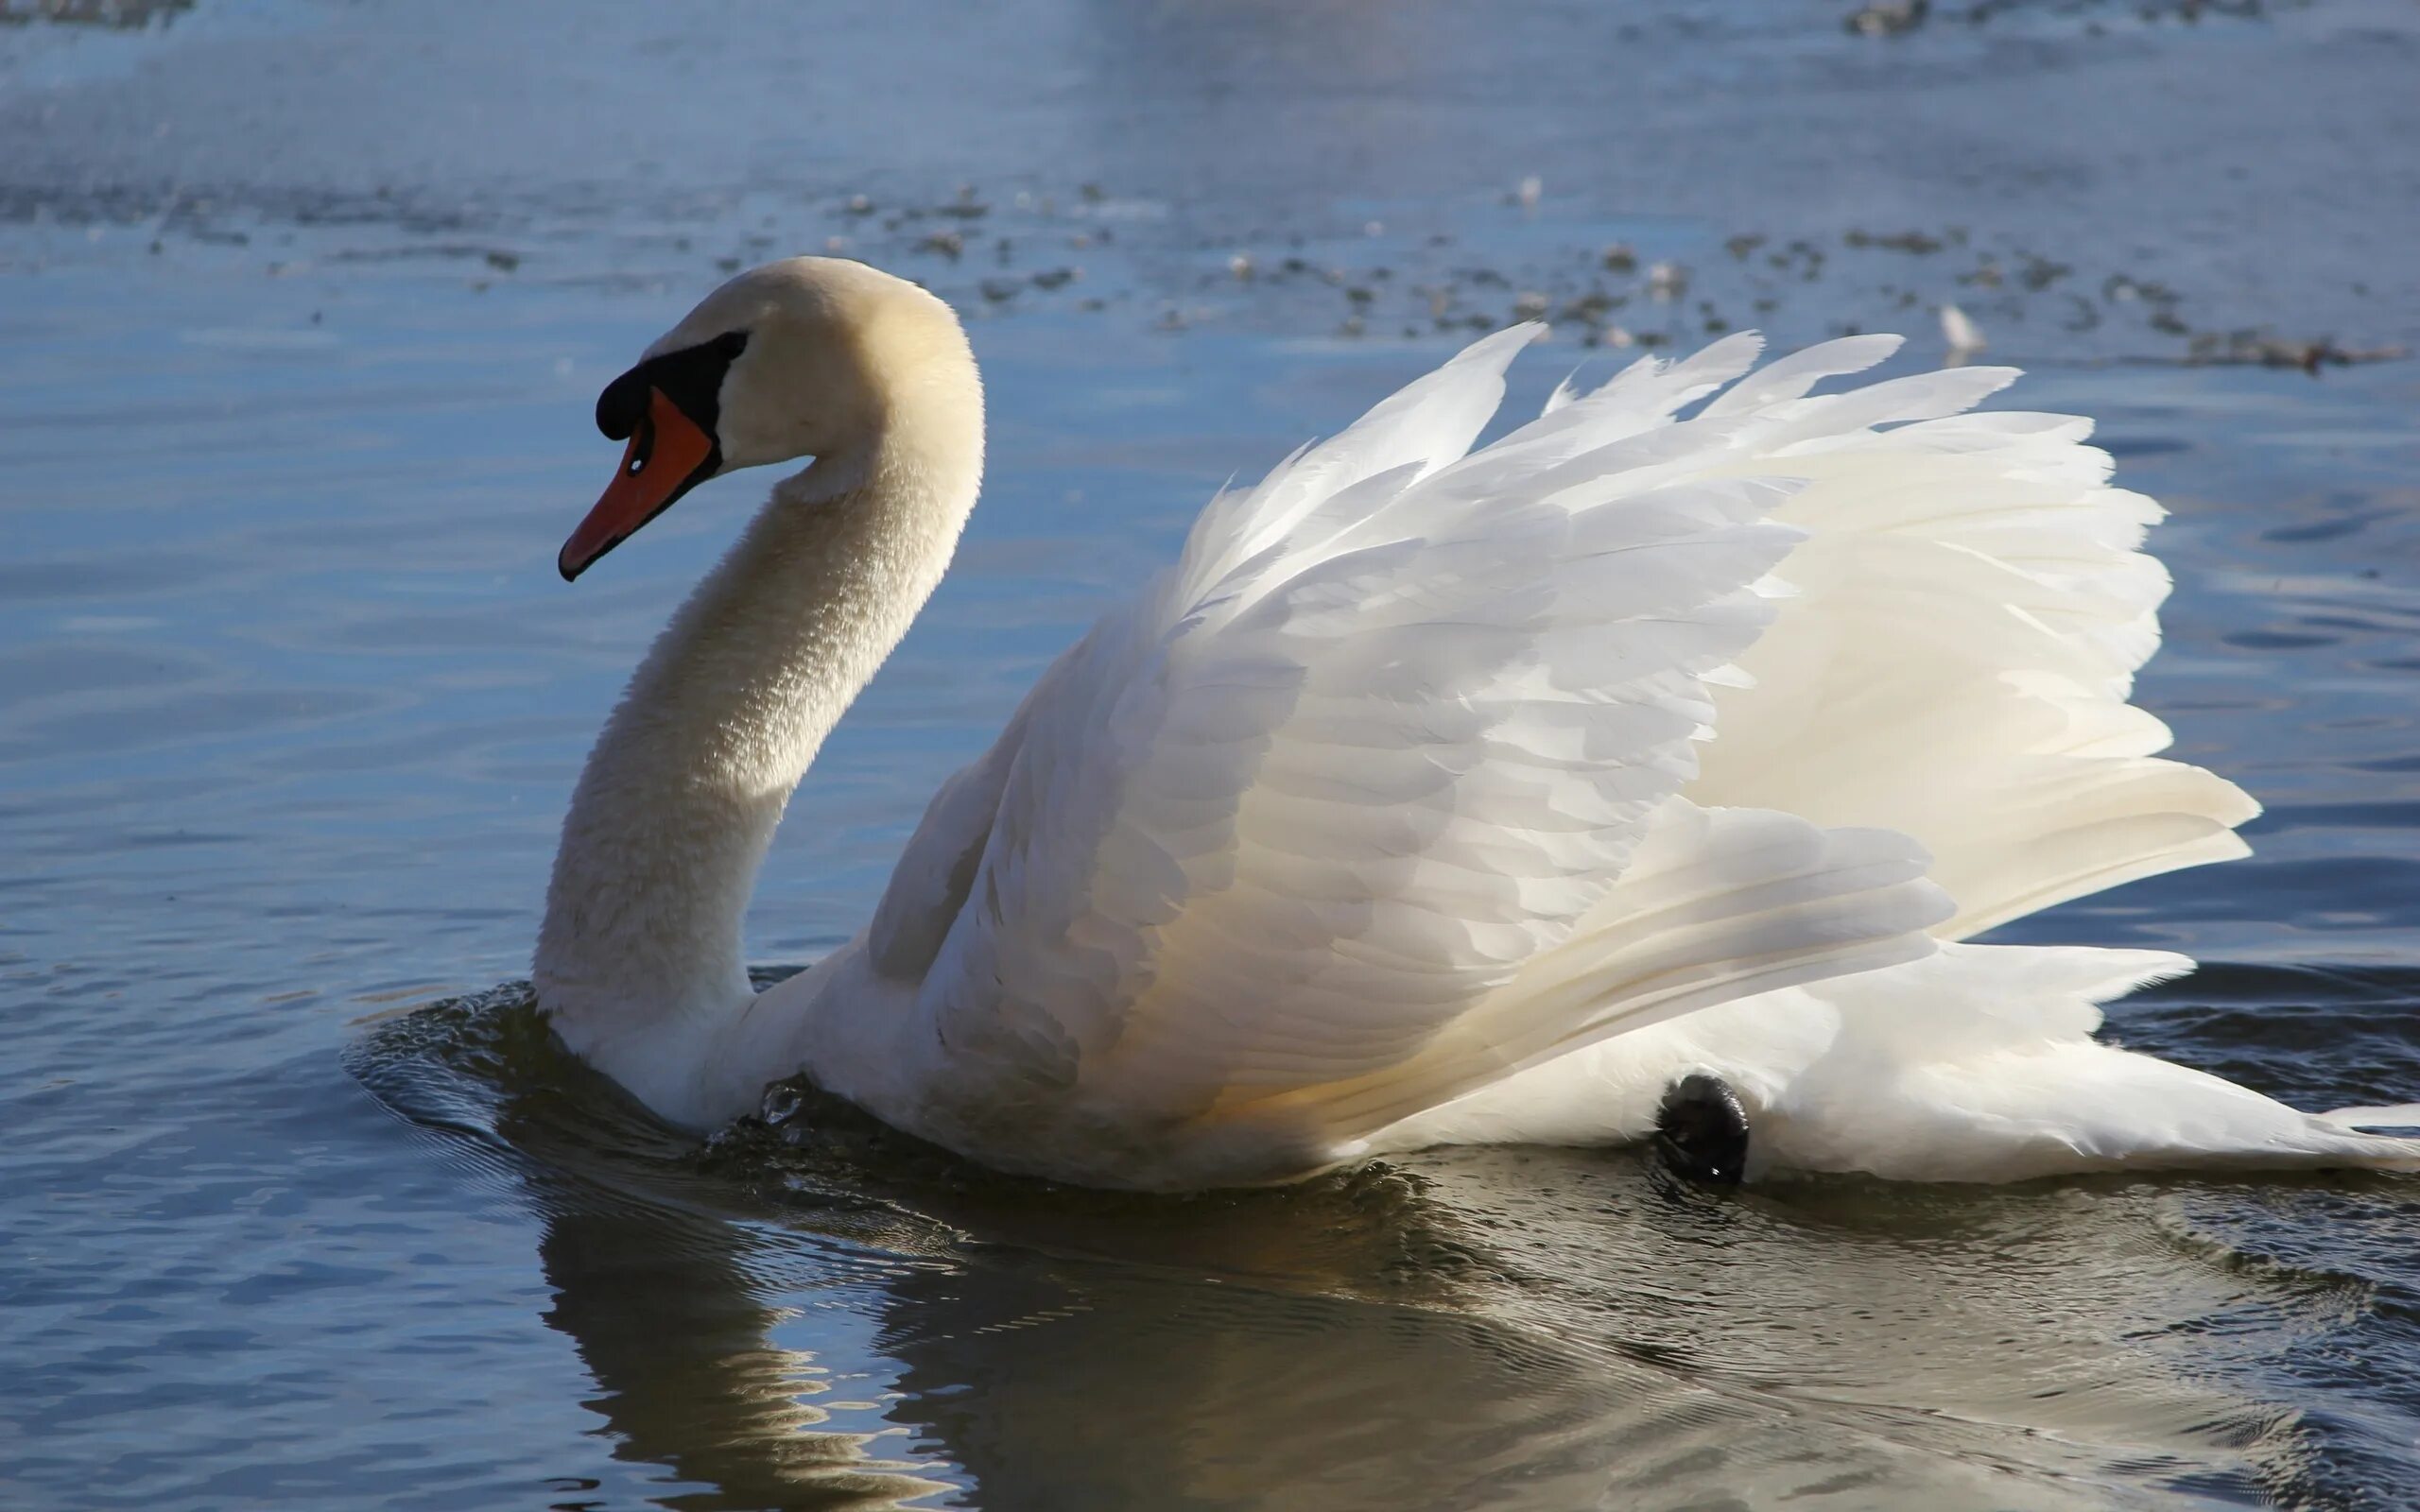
{"x":1395,"y":723}
{"x":1438,"y":795}
{"x":1970,"y":608}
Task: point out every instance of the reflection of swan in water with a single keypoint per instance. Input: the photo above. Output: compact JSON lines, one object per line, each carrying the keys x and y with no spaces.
{"x":1435,"y":796}
{"x":1521,"y":1329}
{"x":670,"y":1323}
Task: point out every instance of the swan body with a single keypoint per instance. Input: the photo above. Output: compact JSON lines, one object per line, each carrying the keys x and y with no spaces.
{"x":1435,"y":795}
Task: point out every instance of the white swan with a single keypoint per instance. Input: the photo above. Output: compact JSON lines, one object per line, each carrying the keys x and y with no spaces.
{"x":1435,"y":795}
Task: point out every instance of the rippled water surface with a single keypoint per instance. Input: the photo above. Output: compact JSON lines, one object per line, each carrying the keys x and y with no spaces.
{"x":303,"y":305}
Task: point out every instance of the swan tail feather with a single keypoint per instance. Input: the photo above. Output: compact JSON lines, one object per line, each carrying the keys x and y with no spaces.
{"x":2368,"y":1120}
{"x":1975,"y":1064}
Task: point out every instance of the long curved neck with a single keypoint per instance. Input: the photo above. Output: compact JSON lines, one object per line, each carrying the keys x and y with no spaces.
{"x":641,"y":956}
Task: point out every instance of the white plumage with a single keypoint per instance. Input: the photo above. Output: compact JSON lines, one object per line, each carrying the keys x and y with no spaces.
{"x":1443,"y":795}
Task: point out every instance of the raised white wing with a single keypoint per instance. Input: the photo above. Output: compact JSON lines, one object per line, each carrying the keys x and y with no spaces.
{"x":1969,"y":612}
{"x":1269,"y":848}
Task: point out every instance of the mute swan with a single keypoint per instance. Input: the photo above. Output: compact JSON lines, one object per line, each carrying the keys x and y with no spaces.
{"x":1630,"y":767}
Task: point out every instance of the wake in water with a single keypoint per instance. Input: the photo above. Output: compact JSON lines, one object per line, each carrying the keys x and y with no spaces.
{"x":1847,"y":1342}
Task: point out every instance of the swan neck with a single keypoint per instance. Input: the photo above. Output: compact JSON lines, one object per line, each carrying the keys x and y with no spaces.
{"x":679,"y":799}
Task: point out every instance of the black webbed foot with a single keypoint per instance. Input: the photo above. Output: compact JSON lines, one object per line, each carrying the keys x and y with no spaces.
{"x":1702,"y":1131}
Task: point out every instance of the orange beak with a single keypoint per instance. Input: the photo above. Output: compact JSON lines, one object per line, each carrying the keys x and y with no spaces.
{"x":668,"y":456}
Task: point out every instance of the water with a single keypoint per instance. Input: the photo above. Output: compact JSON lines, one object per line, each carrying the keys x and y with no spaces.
{"x":303,"y":306}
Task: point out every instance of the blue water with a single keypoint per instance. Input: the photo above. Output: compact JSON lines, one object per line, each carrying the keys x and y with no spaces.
{"x":302,"y":307}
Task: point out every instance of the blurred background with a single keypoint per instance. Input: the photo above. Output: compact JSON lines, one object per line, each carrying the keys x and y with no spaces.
{"x":303,"y":304}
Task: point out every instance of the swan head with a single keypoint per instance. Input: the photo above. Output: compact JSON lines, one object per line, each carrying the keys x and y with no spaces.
{"x":809,"y":357}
